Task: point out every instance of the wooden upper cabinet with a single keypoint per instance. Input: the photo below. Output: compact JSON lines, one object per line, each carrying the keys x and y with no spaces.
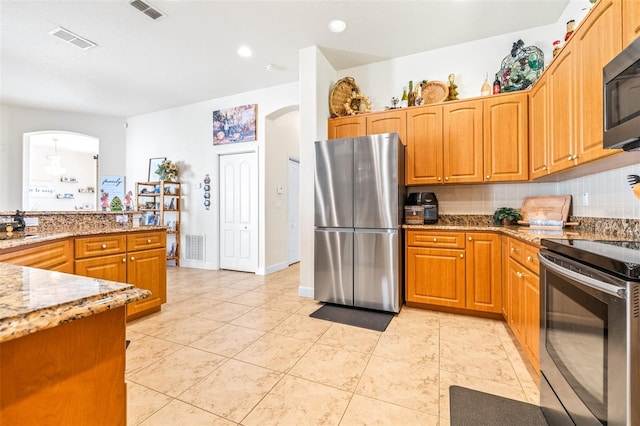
{"x":424,"y":146}
{"x":388,"y":122}
{"x":506,"y":148}
{"x":539,"y":128}
{"x":462,"y":142}
{"x":347,"y":127}
{"x":562,"y":104}
{"x":630,"y":21}
{"x":598,"y":41}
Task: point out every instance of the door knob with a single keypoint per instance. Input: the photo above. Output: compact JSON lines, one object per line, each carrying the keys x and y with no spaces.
{"x":133,"y":258}
{"x":488,"y":177}
{"x":470,"y":238}
{"x":461,"y":255}
{"x":104,"y":246}
{"x":149,"y":241}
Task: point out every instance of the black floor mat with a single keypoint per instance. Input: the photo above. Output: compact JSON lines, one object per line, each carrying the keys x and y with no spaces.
{"x":469,"y":407}
{"x":363,"y":318}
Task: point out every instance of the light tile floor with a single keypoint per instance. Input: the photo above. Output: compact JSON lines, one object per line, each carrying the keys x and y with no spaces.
{"x":235,"y":348}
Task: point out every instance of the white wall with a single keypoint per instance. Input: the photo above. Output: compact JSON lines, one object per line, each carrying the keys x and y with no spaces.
{"x":185,"y":135}
{"x":282,"y":142}
{"x":16,"y":120}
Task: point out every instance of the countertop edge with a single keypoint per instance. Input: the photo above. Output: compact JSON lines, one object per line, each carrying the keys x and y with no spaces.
{"x":22,"y":325}
{"x":524,"y":233}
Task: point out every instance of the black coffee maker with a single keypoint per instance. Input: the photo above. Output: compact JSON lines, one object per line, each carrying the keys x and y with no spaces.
{"x":430,"y":203}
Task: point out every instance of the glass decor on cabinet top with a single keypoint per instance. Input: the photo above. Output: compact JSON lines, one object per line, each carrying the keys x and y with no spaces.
{"x":521,"y":68}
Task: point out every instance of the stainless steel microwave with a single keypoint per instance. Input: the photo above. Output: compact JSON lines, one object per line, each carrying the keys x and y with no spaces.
{"x":621,"y":79}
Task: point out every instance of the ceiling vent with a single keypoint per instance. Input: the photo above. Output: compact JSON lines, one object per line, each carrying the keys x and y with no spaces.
{"x":71,"y":38}
{"x":144,"y":7}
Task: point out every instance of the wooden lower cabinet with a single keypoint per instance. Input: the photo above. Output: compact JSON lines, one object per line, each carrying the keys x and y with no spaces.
{"x":522,"y":307}
{"x":72,"y":374}
{"x":140,"y":260}
{"x":456,"y":270}
{"x":436,"y":276}
{"x":54,"y":256}
{"x":484,"y":272}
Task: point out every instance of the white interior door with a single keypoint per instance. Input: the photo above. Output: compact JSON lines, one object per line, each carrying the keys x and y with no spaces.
{"x":239,"y":212}
{"x":293,"y":209}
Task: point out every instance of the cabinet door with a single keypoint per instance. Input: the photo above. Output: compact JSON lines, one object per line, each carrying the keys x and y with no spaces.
{"x":505,"y":142}
{"x":531,"y":318}
{"x":539,"y":128}
{"x":462,"y":142}
{"x":516,"y":299}
{"x":424,"y":146}
{"x":597,"y":42}
{"x":112,"y":268}
{"x":436,"y":276}
{"x":54,"y":256}
{"x":483,"y":272}
{"x":562,"y":106}
{"x":147,"y":269}
{"x":630,"y":21}
{"x":347,"y":127}
{"x":388,"y":122}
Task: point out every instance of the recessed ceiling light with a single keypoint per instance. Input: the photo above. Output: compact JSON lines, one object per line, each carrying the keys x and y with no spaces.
{"x":244,"y":51}
{"x":337,"y":26}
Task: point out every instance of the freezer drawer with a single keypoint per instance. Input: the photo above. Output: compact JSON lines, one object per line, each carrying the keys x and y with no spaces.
{"x":376,"y":270}
{"x":333,"y":267}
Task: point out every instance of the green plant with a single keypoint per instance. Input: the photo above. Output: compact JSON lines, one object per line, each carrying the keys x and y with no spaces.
{"x":509,"y":213}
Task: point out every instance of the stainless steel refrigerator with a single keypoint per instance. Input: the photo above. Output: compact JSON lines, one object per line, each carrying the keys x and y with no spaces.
{"x":359,"y":198}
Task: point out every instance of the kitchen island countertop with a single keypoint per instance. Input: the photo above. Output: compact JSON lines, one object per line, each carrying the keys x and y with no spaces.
{"x":34,"y":299}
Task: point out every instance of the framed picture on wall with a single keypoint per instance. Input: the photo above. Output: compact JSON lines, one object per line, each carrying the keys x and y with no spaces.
{"x":153,"y":166}
{"x":233,"y":125}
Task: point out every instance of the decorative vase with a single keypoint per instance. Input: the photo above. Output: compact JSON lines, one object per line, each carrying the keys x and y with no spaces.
{"x":506,"y":221}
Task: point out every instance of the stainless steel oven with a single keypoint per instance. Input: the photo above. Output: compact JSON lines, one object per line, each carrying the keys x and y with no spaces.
{"x":590,"y":332}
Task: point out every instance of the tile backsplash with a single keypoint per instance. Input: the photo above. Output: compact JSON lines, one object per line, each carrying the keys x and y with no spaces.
{"x":609,"y":193}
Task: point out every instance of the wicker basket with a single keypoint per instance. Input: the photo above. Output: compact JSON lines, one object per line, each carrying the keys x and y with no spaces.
{"x":434,"y":92}
{"x":341,"y":94}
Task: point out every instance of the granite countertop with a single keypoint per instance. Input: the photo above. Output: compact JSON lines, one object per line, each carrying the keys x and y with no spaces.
{"x":34,"y":299}
{"x":18,"y":239}
{"x":530,"y":235}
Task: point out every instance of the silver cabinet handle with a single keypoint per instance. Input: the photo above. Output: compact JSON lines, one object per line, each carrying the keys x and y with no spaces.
{"x":488,"y":177}
{"x":461,"y":255}
{"x":133,"y":258}
{"x":124,"y":260}
{"x":149,"y":241}
{"x":470,"y":239}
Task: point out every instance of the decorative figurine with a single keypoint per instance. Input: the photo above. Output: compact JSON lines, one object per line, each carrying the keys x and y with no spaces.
{"x":453,"y":89}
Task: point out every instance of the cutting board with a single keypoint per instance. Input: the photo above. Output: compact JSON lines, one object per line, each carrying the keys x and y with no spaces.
{"x":548,"y":207}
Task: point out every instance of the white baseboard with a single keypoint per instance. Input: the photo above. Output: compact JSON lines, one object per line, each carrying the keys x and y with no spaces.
{"x":305,"y":292}
{"x":198,"y":265}
{"x":273,"y":268}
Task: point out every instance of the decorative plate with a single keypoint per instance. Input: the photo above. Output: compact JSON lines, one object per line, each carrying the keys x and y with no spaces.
{"x":434,"y":92}
{"x":341,"y":94}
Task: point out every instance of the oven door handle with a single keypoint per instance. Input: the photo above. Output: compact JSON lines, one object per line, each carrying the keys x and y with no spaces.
{"x":593,"y":283}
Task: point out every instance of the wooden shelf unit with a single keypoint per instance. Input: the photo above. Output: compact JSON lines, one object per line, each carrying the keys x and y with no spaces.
{"x":165,"y":204}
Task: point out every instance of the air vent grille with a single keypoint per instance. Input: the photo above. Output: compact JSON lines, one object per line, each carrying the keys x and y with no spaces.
{"x":144,"y":7}
{"x":72,"y":38}
{"x":194,"y":247}
{"x":635,"y":302}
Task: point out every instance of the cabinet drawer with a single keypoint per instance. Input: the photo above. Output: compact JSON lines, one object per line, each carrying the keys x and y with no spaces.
{"x":530,"y":256}
{"x":146,"y":240}
{"x":100,"y":246}
{"x":435,"y":239}
{"x":516,"y":250}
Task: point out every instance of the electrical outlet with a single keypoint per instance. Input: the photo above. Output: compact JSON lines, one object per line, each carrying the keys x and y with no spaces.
{"x":585,"y":198}
{"x":31,"y":221}
{"x":121,"y":219}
